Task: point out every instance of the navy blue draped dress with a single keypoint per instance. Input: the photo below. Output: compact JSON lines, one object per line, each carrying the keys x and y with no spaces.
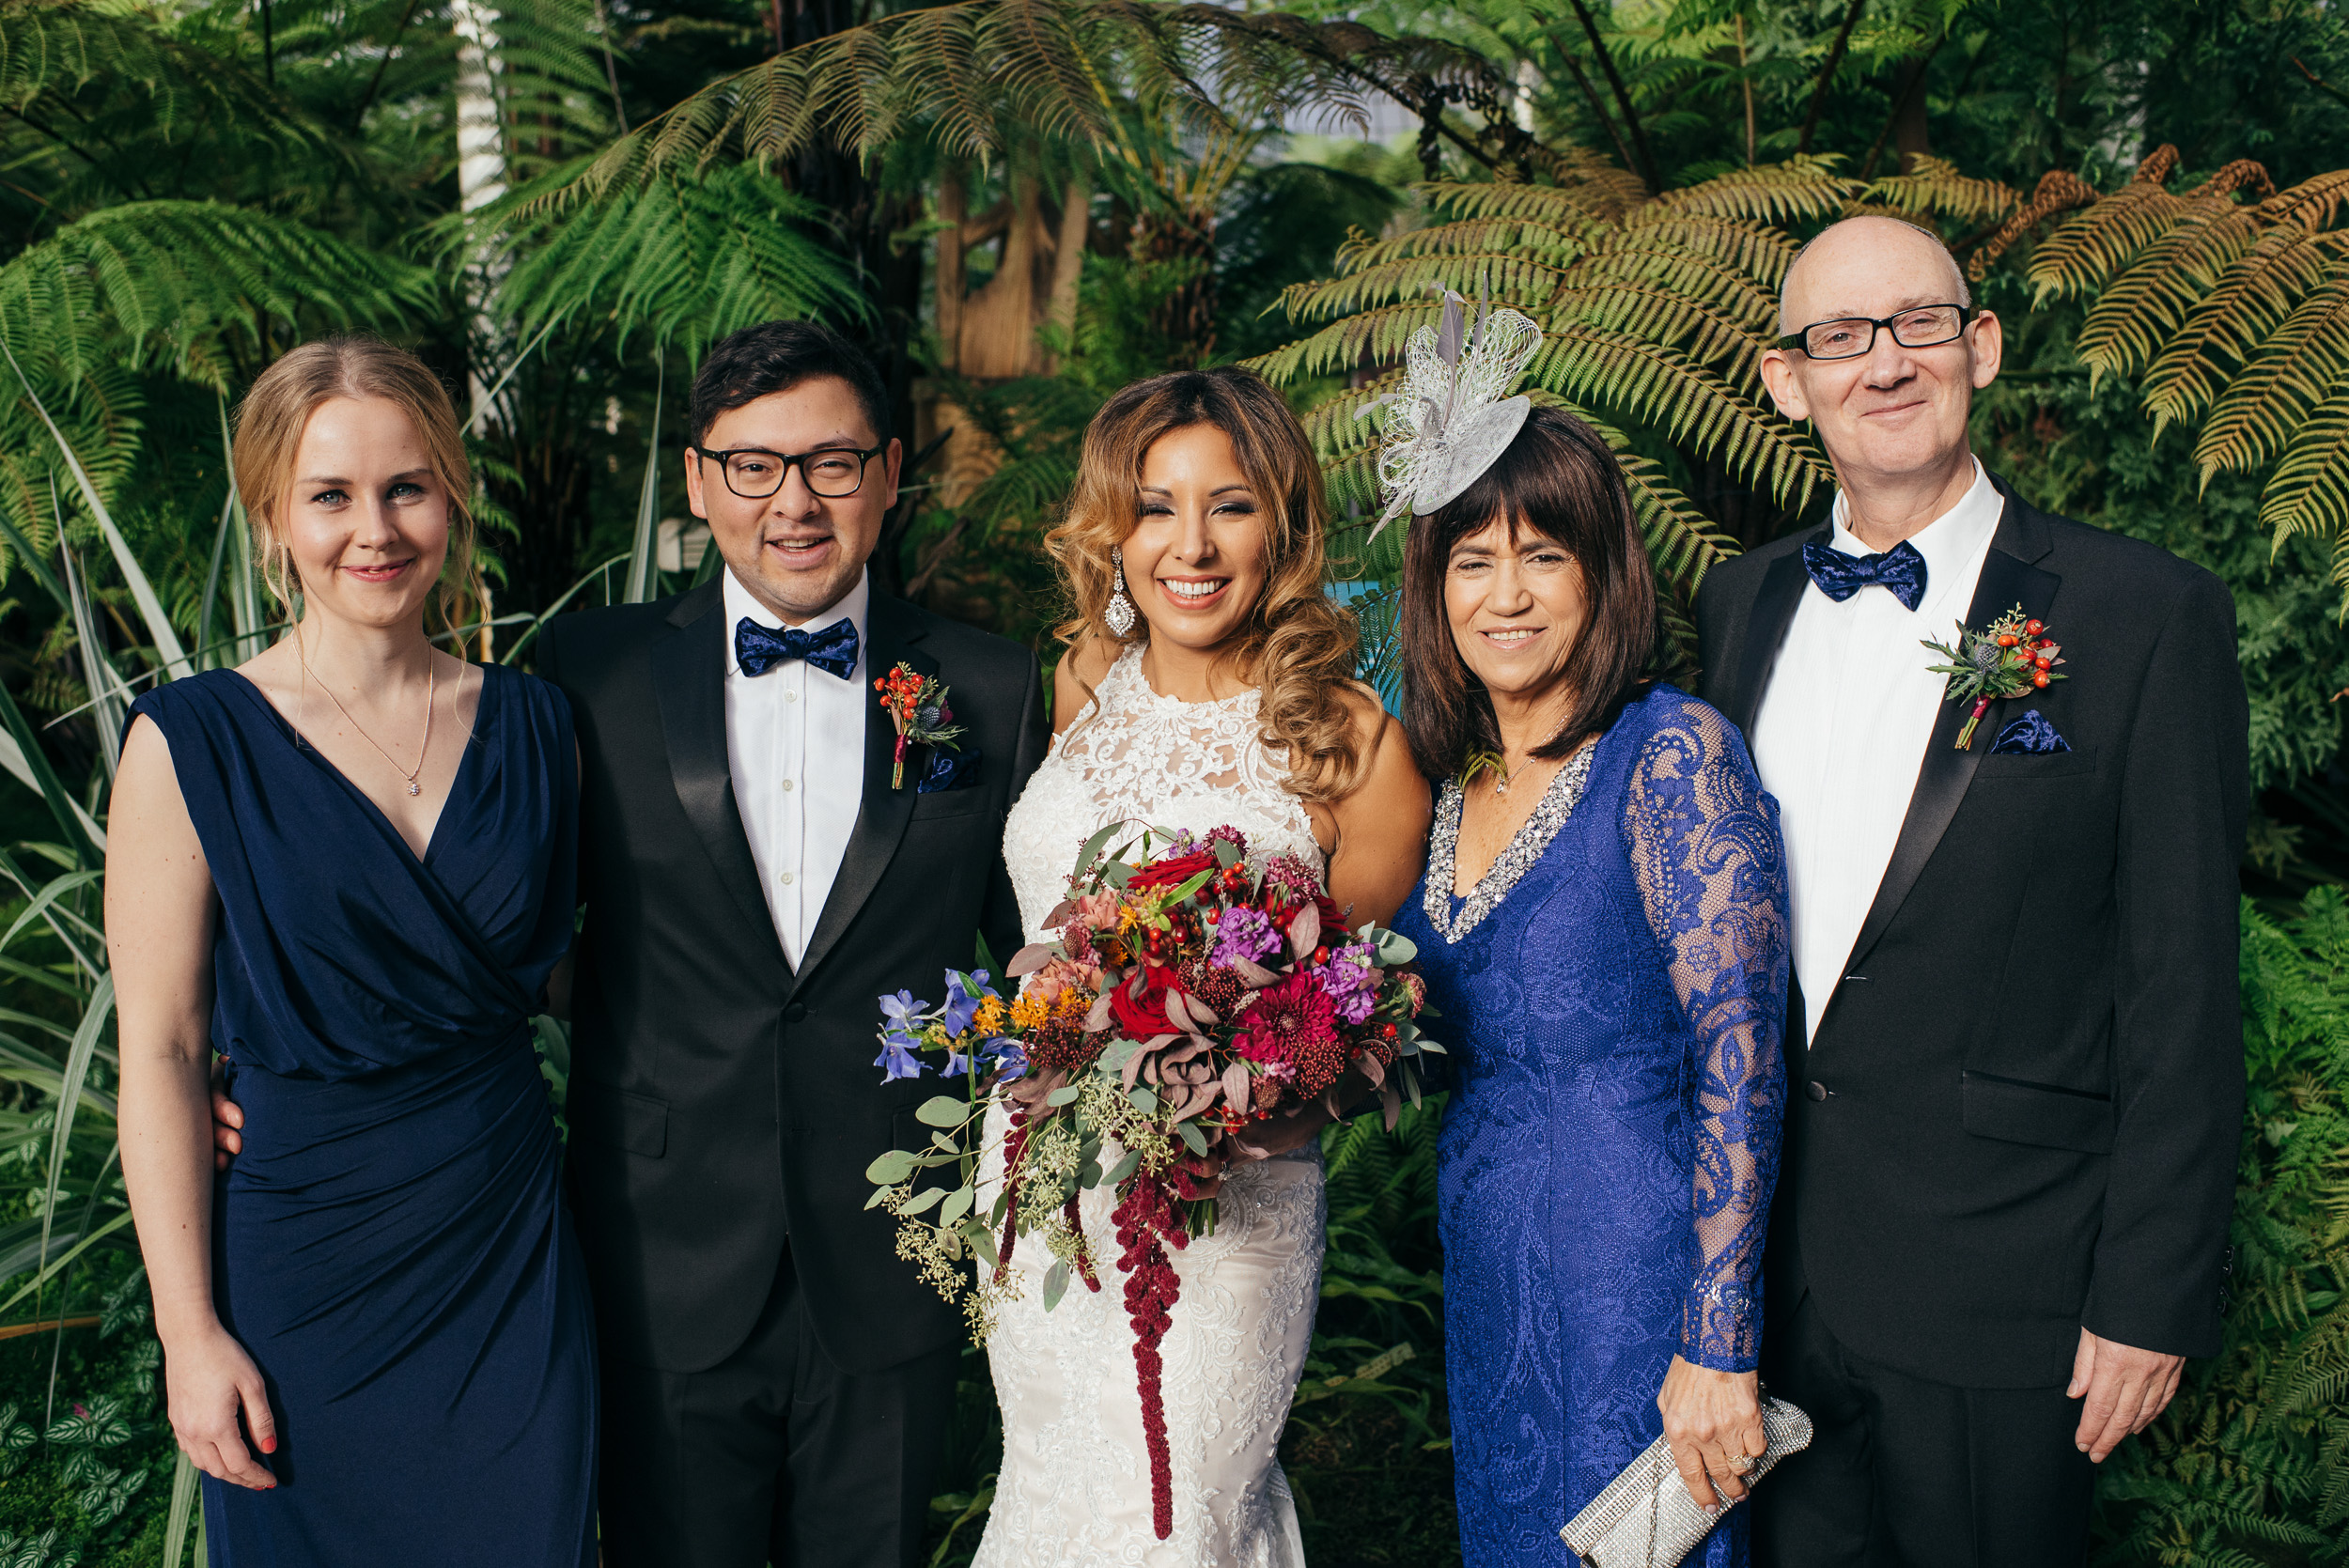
{"x":391,"y":1247}
{"x":1612,"y":993}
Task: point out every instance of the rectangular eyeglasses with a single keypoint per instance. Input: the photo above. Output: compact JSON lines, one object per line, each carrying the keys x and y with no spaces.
{"x":1918,"y":327}
{"x":830,"y":472}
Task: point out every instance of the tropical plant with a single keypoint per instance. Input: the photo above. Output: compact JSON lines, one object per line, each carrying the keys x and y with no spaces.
{"x":2228,"y":305}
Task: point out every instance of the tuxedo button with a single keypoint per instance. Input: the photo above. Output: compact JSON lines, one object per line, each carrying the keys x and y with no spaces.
{"x":1816,"y":1090}
{"x":790,"y":696}
{"x":788,"y":786}
{"x":784,"y":878}
{"x":794,"y":1013}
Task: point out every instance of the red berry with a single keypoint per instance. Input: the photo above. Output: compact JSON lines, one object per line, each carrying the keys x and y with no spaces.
{"x":1386,"y":1032}
{"x":1321,"y":955}
{"x":2040,"y":678}
{"x":2034,"y":628}
{"x":2008,"y":639}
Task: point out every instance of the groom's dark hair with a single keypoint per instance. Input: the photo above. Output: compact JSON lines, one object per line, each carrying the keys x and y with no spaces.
{"x":776,"y":356}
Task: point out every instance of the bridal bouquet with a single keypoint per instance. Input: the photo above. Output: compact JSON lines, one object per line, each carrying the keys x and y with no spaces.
{"x":1187,"y":1001}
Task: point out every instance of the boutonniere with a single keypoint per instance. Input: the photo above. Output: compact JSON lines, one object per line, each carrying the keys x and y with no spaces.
{"x":2014,"y":657}
{"x":916,"y":703}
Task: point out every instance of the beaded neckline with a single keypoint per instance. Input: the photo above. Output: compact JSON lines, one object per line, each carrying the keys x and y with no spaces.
{"x":1526,"y":849}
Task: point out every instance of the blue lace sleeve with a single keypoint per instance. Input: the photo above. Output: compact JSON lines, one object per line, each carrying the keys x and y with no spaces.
{"x":1711,"y":871}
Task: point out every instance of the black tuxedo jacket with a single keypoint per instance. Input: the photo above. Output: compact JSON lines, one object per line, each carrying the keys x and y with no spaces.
{"x":2022,"y":1108}
{"x":723,"y":1105}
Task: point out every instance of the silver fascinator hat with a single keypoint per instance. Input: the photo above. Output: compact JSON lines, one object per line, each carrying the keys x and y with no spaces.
{"x":1453,"y":416}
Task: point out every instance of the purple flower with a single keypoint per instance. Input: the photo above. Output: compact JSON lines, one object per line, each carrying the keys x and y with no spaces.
{"x":1351,"y":978}
{"x":1243,"y":934}
{"x":896,"y":1059}
{"x":1004,"y":1052}
{"x":964,"y":992}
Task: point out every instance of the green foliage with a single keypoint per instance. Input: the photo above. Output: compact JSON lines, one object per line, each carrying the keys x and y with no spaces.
{"x":2251,"y":1464}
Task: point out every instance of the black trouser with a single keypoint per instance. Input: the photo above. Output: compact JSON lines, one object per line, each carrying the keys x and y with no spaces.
{"x":774,"y":1455}
{"x":1907,"y":1474}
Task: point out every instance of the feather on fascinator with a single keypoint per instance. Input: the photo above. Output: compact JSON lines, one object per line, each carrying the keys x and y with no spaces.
{"x":1453,"y":417}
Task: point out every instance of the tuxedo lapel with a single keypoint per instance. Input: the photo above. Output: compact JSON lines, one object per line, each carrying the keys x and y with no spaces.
{"x":690,"y":684}
{"x":2008,"y":579}
{"x":893,"y":631}
{"x":1773,"y":612}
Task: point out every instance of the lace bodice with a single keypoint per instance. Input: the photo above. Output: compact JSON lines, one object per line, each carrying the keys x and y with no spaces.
{"x":1133,"y":755}
{"x":1074,"y":1490}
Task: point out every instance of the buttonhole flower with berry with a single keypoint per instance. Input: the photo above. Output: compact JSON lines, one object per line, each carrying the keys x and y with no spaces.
{"x":2012,"y":657}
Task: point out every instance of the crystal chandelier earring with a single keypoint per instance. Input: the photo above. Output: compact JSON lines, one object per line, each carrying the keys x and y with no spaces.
{"x":1120,"y":614}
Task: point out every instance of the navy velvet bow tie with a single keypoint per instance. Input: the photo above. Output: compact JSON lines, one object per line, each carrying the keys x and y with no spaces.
{"x":758,"y":648}
{"x":1840,"y":576}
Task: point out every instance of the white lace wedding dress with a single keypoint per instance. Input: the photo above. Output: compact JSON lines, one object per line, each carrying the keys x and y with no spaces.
{"x":1075,"y":1487}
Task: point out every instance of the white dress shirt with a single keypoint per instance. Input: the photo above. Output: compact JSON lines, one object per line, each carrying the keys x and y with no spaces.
{"x":1842,"y":728}
{"x":795,"y":744}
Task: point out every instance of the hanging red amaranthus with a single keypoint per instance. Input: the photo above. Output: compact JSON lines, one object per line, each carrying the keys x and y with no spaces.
{"x":1014,"y":1144}
{"x":1147,"y":1224}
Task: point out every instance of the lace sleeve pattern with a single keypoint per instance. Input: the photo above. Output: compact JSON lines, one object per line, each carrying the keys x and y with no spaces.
{"x":1711,"y":872}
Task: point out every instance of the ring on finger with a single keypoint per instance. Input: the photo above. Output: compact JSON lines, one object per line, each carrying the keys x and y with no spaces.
{"x":1740,"y":1463}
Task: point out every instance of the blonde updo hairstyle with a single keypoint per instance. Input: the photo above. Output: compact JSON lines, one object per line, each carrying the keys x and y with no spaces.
{"x":277,"y":410}
{"x":1297,"y":647}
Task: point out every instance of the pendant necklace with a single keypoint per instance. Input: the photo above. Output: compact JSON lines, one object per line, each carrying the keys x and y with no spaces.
{"x":432,"y":676}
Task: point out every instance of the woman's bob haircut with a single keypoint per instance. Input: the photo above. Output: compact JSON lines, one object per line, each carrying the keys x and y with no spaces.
{"x":1559,"y":479}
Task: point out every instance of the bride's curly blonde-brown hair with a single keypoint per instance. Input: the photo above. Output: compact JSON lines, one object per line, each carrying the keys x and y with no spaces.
{"x":1297,"y":647}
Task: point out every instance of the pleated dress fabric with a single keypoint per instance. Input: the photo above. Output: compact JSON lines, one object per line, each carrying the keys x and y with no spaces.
{"x":391,"y":1246}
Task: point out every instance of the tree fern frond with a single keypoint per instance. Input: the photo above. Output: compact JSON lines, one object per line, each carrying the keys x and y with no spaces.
{"x":172,"y":277}
{"x":1571,"y":209}
{"x":1501,"y":277}
{"x":1802,"y":188}
{"x":1535,"y":241}
{"x":2294,"y":368}
{"x":1934,"y":188}
{"x":1690,"y":405}
{"x":2227,"y":326}
{"x":2091,"y":246}
{"x":59,"y":47}
{"x":1376,"y":336}
{"x":2139,"y":311}
{"x":2310,"y":490}
{"x":690,"y":260}
{"x":1747,"y":251}
{"x":1673,"y":320}
{"x":2058,"y":190}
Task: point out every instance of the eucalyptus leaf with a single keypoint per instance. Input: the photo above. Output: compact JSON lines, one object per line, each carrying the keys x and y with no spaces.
{"x":1090,"y":850}
{"x":1397,"y":949}
{"x":1145,"y":1100}
{"x":1193,"y":1137}
{"x":943,"y":1110}
{"x":1125,"y":1167}
{"x":1056,"y":1283}
{"x":957,"y":1203}
{"x":923,"y":1201}
{"x":890,"y":1168}
{"x":983,"y":1244}
{"x":1066,"y":1095}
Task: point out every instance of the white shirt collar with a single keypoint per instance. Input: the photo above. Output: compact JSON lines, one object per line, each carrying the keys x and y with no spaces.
{"x":738,"y":604}
{"x":1949,"y":543}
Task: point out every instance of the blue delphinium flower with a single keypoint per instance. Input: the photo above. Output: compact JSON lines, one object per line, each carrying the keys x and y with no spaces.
{"x":898,"y":1041}
{"x":1004,"y":1052}
{"x":962,"y":1002}
{"x":896,"y":1060}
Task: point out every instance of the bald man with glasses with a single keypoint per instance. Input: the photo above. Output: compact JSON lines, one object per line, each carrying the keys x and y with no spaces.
{"x":2015,"y":1054}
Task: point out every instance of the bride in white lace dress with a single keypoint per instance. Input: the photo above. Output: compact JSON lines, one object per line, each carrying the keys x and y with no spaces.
{"x":1207,"y":682}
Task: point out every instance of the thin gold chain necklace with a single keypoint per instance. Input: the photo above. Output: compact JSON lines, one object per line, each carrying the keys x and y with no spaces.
{"x":431,"y":681}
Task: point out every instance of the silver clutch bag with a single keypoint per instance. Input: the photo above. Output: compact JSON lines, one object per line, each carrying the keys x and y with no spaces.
{"x":1645,"y":1517}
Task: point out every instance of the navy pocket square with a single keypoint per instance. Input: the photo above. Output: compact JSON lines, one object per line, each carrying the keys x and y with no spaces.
{"x":948,"y":770}
{"x":2029,"y":735}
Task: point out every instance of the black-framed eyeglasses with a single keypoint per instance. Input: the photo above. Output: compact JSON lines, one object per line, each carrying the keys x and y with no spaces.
{"x":1850,"y":337}
{"x":830,"y":472}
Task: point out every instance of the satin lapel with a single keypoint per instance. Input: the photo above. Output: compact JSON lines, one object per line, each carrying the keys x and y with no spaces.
{"x":1773,"y":612}
{"x":893,"y":631}
{"x":690,"y":684}
{"x":2008,"y":579}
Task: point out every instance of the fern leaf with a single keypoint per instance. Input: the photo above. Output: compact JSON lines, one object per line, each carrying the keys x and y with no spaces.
{"x":2294,"y":368}
{"x":1935,"y":189}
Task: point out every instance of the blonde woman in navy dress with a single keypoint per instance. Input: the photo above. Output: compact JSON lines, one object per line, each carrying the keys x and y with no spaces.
{"x":347,"y":867}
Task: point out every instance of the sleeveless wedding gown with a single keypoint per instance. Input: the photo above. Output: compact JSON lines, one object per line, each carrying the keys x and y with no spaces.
{"x":1075,"y":1487}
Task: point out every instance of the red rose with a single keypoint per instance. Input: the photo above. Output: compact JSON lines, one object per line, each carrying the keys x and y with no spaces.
{"x":1147,"y":1019}
{"x":1171,"y":871}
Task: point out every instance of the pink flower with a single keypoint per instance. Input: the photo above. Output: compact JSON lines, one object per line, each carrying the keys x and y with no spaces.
{"x":1097,"y":912}
{"x":1062,"y":974}
{"x":1292,"y":1025}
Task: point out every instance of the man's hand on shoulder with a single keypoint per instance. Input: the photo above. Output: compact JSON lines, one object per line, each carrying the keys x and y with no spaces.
{"x":2124,"y":1388}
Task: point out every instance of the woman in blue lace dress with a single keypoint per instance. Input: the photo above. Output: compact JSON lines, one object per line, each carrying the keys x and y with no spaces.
{"x":1603,"y":926}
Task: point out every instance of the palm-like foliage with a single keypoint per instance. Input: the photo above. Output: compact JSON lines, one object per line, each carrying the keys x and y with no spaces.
{"x":2228,"y":305}
{"x":1655,"y":311}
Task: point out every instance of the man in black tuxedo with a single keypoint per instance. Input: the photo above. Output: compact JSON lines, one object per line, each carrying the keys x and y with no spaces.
{"x":776,"y":1381}
{"x":2015,"y":1054}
